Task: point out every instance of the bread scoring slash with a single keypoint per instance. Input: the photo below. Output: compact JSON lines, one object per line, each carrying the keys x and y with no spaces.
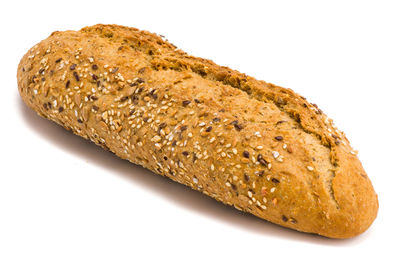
{"x":256,"y":146}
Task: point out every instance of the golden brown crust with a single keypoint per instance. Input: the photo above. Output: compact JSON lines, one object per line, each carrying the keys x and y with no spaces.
{"x":256,"y":146}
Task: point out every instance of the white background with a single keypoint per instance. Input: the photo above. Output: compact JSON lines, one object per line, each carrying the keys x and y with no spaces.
{"x":64,"y":200}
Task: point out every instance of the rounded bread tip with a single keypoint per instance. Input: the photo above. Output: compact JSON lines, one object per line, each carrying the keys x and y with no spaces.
{"x":357,"y":201}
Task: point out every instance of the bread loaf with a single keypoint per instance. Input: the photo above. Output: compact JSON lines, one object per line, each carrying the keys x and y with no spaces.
{"x":256,"y":146}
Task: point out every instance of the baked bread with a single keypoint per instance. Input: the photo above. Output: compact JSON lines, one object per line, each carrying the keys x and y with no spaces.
{"x":256,"y":146}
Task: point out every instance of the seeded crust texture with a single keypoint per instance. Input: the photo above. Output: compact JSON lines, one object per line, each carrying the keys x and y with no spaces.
{"x":256,"y":146}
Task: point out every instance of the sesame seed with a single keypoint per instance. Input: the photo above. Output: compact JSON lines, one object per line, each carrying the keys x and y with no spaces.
{"x":195,"y":180}
{"x":76,"y":76}
{"x":156,"y":139}
{"x":274,"y":180}
{"x":185,"y":103}
{"x":273,"y":189}
{"x":278,"y":138}
{"x":310,"y":168}
{"x":238,"y":127}
{"x":234,"y":150}
{"x":190,"y":135}
{"x":289,"y":149}
{"x":246,"y":177}
{"x":246,"y":154}
{"x":228,"y":184}
{"x":275,"y":154}
{"x":262,"y":160}
{"x":215,"y":120}
{"x":250,"y":194}
{"x":260,"y":173}
{"x":263,"y":191}
{"x":259,"y":147}
{"x":201,"y":124}
{"x":212,"y":167}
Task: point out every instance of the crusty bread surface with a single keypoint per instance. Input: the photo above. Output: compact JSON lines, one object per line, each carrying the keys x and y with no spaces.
{"x":256,"y":146}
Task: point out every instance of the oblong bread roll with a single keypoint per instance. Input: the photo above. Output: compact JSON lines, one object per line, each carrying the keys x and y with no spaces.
{"x":256,"y":146}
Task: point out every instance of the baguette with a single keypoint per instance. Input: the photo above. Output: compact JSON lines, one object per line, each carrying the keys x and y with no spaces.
{"x":250,"y":144}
